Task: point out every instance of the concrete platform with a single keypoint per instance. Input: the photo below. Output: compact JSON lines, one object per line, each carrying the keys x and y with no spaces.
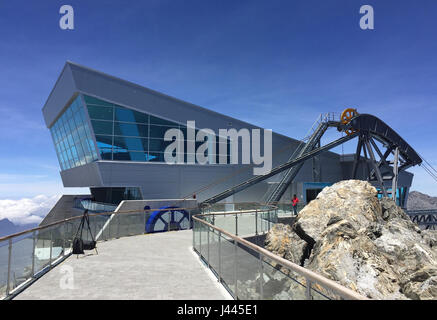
{"x":152,"y":266}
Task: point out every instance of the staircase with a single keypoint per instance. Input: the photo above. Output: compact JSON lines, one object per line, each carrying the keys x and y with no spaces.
{"x":311,"y":141}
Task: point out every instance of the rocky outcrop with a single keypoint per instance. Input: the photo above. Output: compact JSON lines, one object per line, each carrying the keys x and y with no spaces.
{"x":276,"y":285}
{"x":286,"y":243}
{"x":368,"y":245}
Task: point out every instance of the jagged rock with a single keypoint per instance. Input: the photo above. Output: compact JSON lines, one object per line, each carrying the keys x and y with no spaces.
{"x":354,"y":200}
{"x":368,"y":245}
{"x":285,"y":243}
{"x":430,"y":238}
{"x":276,"y":286}
{"x":353,"y":260}
{"x":421,"y":285}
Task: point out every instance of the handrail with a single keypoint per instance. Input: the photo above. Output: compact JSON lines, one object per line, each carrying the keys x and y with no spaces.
{"x":107,"y":213}
{"x":312,"y":276}
{"x":79,"y":217}
{"x":61,"y":237}
{"x":223,"y":213}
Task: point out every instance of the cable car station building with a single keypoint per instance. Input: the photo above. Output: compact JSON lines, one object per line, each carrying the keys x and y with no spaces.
{"x":108,"y":134}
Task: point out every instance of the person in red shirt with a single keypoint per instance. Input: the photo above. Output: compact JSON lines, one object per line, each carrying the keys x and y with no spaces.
{"x":294,"y":202}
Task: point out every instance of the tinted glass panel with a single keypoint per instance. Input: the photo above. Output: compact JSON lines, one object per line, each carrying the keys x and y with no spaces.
{"x":158,"y":145}
{"x":102,"y":127}
{"x":99,"y":112}
{"x":129,"y":129}
{"x":136,"y":144}
{"x":91,"y":100}
{"x":68,"y":133}
{"x":162,"y":122}
{"x":116,"y":195}
{"x":128,"y":135}
{"x":106,"y":154}
{"x":138,"y":156}
{"x":104,"y":141}
{"x":158,"y":131}
{"x":121,"y":155}
{"x":156,"y":157}
{"x":127,"y":115}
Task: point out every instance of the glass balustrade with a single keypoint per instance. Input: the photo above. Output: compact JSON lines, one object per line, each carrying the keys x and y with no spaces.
{"x":28,"y":256}
{"x":245,"y":269}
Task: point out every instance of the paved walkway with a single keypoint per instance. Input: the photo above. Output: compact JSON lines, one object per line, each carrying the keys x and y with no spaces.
{"x":151,"y":266}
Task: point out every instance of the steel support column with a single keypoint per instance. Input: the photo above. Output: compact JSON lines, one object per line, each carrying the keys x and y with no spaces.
{"x":377,"y":172}
{"x":357,"y":158}
{"x":395,"y":176}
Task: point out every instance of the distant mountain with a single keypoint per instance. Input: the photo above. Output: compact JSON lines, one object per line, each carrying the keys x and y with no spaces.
{"x":421,"y":201}
{"x":7,"y":227}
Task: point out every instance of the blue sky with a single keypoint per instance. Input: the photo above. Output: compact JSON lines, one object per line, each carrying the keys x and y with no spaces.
{"x":277,"y":64}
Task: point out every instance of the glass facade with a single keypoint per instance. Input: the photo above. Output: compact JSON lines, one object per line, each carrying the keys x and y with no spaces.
{"x":128,"y":135}
{"x":115,"y":195}
{"x":120,"y":133}
{"x":72,"y":137}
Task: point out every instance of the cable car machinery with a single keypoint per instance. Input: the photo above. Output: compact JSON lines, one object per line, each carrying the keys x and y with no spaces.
{"x":367,"y":128}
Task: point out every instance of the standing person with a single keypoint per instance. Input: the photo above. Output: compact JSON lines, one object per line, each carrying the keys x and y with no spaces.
{"x":295,"y":201}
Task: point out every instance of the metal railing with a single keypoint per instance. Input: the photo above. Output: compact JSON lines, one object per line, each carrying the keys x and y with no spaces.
{"x":286,"y":208}
{"x":424,"y":218}
{"x":28,"y":255}
{"x":249,"y":271}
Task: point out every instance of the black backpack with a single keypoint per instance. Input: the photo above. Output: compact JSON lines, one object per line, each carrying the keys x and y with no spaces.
{"x":79,"y":245}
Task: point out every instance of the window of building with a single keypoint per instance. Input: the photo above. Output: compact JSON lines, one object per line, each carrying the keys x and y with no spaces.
{"x":128,"y":135}
{"x":115,"y":195}
{"x":72,"y":137}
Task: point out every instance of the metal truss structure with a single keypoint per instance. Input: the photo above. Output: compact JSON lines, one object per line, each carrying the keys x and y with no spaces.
{"x":369,"y":130}
{"x":427,"y":219}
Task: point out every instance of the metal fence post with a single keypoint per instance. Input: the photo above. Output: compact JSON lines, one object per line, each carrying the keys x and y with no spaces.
{"x":268,"y":221}
{"x":95,"y":226}
{"x":220,"y":257}
{"x":194,"y":235}
{"x":118,"y":225}
{"x":235,"y":269}
{"x":256,"y":222}
{"x":236,"y":224}
{"x":64,"y":226}
{"x":51,"y":247}
{"x":261,"y":277}
{"x":8,"y":288}
{"x":33,"y":253}
{"x":200,"y":238}
{"x":189,"y":219}
{"x":308,"y":289}
{"x":207,"y":250}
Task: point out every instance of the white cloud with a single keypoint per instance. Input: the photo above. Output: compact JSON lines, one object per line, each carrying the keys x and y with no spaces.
{"x":29,"y":188}
{"x":27,"y":210}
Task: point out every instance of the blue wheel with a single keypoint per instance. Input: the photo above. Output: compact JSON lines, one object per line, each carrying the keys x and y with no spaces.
{"x":168,"y":218}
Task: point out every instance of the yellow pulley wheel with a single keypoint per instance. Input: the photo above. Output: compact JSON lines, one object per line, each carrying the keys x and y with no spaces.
{"x":346,"y":117}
